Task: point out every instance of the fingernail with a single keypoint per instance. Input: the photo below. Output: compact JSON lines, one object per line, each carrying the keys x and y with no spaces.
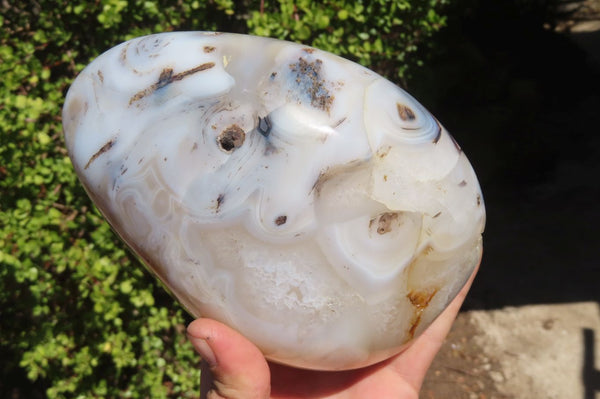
{"x":205,"y":351}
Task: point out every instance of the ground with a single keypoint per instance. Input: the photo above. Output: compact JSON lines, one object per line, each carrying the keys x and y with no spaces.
{"x":524,"y":103}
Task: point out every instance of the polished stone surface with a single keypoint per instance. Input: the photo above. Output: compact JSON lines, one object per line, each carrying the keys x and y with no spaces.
{"x":294,"y":195}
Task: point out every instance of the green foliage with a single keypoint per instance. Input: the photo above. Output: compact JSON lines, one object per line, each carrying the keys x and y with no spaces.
{"x":381,"y":34}
{"x":78,"y":316}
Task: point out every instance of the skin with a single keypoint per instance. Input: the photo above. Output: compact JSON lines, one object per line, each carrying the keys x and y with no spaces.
{"x":233,"y":368}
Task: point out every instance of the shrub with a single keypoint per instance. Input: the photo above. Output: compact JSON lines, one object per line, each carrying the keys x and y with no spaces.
{"x":78,"y":316}
{"x":381,"y":34}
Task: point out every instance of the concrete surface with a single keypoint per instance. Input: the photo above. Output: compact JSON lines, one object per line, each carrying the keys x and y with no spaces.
{"x":527,"y":352}
{"x":544,"y":351}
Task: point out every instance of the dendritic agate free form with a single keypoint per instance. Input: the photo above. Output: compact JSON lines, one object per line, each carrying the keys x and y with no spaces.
{"x":296,"y":196}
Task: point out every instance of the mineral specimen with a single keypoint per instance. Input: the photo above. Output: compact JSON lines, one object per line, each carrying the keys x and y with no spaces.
{"x":296,"y":196}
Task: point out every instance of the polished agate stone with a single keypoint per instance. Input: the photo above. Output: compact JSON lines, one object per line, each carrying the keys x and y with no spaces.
{"x":296,"y":196}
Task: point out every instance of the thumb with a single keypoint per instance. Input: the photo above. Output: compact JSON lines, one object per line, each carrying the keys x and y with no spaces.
{"x":233,"y":367}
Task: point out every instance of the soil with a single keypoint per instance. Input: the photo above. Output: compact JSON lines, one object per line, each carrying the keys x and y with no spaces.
{"x":462,"y":370}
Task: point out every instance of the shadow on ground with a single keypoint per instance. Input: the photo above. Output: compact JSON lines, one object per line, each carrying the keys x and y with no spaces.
{"x":524,"y":103}
{"x":591,"y":373}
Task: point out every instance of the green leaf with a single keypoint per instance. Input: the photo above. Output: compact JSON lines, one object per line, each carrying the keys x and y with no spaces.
{"x":126,"y":287}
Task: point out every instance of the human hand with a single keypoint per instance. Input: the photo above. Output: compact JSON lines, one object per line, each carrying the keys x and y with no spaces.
{"x":234,"y":368}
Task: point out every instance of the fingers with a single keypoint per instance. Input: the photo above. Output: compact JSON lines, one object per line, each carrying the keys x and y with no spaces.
{"x":413,"y":363}
{"x":233,"y":368}
{"x":438,"y":330}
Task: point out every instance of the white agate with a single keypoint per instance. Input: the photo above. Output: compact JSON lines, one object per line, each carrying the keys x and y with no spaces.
{"x":296,"y":196}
